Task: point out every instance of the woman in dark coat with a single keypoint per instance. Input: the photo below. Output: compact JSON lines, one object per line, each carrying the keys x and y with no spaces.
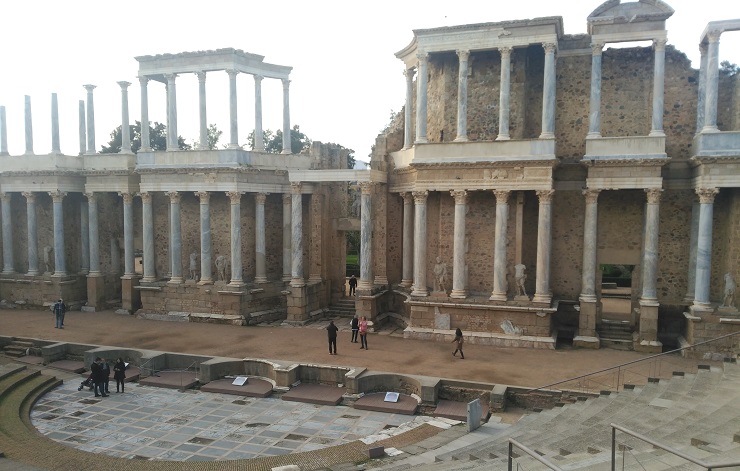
{"x":119,"y":373}
{"x":459,"y":340}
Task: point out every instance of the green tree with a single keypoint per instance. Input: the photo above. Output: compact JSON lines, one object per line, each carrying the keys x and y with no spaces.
{"x":728,"y":68}
{"x":157,"y":139}
{"x":214,"y":134}
{"x":274,"y":141}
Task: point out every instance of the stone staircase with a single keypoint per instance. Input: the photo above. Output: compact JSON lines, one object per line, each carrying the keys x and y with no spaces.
{"x":17,"y":348}
{"x":615,"y":334}
{"x":344,"y":307}
{"x":698,"y":414}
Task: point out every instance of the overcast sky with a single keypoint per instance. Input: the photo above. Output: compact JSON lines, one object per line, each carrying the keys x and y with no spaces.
{"x":345,"y":79}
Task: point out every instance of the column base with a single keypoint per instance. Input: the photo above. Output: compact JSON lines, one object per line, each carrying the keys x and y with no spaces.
{"x":461,"y":139}
{"x":542,"y":298}
{"x":61,"y":274}
{"x":178,"y":280}
{"x":204,"y":282}
{"x":364,"y":284}
{"x":32,"y":273}
{"x":260,"y":279}
{"x":420,"y":141}
{"x":459,"y":293}
{"x":286,"y":151}
{"x":593,"y":135}
{"x":420,"y":292}
{"x":8,"y":272}
{"x":585,"y":341}
{"x":287,"y":278}
{"x":236,"y":283}
{"x":503,"y":137}
{"x":656,"y":133}
{"x":297,"y":282}
{"x":147,"y":279}
{"x":547,"y":135}
{"x":233,"y":146}
{"x":406,"y":283}
{"x":649,"y":346}
{"x":499,"y":297}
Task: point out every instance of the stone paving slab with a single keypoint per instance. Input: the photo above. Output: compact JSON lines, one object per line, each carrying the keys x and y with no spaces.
{"x":68,"y":365}
{"x":376,"y":401}
{"x":171,"y":379}
{"x":315,"y":394}
{"x":254,"y":387}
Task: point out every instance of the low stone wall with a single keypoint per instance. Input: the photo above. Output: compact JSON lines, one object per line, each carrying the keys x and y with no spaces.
{"x":482,"y":338}
{"x":708,"y":327}
{"x":38,"y":291}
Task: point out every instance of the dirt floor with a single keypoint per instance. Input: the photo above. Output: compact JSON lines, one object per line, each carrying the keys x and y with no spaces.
{"x":388,"y":351}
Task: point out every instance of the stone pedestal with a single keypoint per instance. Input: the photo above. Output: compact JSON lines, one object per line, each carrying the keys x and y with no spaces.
{"x":130,"y":296}
{"x":96,"y":293}
{"x":298,"y":305}
{"x":648,"y":340}
{"x":587,"y":336}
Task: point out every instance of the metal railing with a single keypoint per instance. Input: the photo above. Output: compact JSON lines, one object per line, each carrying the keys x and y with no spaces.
{"x":680,"y":454}
{"x":513,"y":443}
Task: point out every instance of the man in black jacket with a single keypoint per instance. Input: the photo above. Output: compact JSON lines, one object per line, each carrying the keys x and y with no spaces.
{"x":98,"y":380}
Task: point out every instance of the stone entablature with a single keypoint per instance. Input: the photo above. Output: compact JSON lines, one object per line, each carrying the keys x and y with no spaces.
{"x":629,"y":21}
{"x":494,"y":152}
{"x":220,"y":59}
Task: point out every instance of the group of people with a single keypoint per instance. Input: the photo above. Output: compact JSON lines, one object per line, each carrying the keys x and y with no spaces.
{"x":100,"y":376}
{"x":358,"y":326}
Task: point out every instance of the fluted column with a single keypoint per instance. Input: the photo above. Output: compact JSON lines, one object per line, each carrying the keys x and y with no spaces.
{"x":296,"y":236}
{"x":544,"y":247}
{"x":3,"y":132}
{"x":420,"y":243}
{"x":658,"y":87}
{"x":172,"y":143}
{"x":233,"y":120}
{"x":147,"y":216}
{"x":84,"y":238}
{"x":693,"y":242}
{"x":421,"y":99}
{"x":260,"y":265}
{"x":128,"y":235}
{"x":125,"y":125}
{"x":33,"y":250}
{"x":407,"y":113}
{"x":701,"y":96}
{"x":57,"y":198}
{"x":55,"y":146}
{"x":287,"y":236}
{"x":594,"y":117}
{"x":90,"y":119}
{"x":8,"y":263}
{"x":259,"y":141}
{"x":175,"y":238}
{"x":29,"y":125}
{"x":704,"y":249}
{"x":712,"y":83}
{"x":81,"y":129}
{"x":459,"y":278}
{"x":202,"y":112}
{"x":206,"y":275}
{"x":462,"y":96}
{"x":650,"y":249}
{"x":407,"y":277}
{"x":504,"y":94}
{"x":287,"y":148}
{"x":548,"y":93}
{"x":590,"y":226}
{"x":499,"y":254}
{"x":145,"y":139}
{"x":236,"y":237}
{"x":366,"y":237}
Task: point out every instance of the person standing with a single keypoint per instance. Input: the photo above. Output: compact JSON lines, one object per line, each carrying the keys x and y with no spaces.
{"x":97,"y":375}
{"x":459,"y":343}
{"x":119,"y":373}
{"x":363,"y":333}
{"x":105,"y":366}
{"x":59,"y":309}
{"x":332,"y":329}
{"x":355,"y":325}
{"x":352,"y":285}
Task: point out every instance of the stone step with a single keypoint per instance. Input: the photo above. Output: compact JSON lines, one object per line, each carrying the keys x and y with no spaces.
{"x":14,"y":351}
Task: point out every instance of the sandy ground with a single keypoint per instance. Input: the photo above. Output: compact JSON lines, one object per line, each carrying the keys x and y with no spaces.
{"x":388,"y":351}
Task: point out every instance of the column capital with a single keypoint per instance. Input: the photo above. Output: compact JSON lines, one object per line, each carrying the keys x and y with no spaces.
{"x":57,"y":196}
{"x":260,"y":198}
{"x":502,"y":196}
{"x":420,"y":197}
{"x":706,"y":195}
{"x":91,"y":196}
{"x":143,"y":80}
{"x":295,"y":187}
{"x":146,"y":197}
{"x":703,"y":47}
{"x":713,"y":35}
{"x":128,"y":198}
{"x":90,"y":87}
{"x":422,"y":56}
{"x":408,"y":198}
{"x":286,"y":83}
{"x":409,"y":73}
{"x":659,"y":44}
{"x":170,"y":78}
{"x":258,"y":78}
{"x":4,"y":196}
{"x":505,"y":51}
{"x":366,"y":188}
{"x":549,"y":48}
{"x":204,"y":196}
{"x":201,"y":74}
{"x":124,"y":85}
{"x":232,"y":73}
{"x":235,"y":196}
{"x":287,"y":198}
{"x":461,"y":196}
{"x":597,"y":48}
{"x":30,"y":196}
{"x":653,"y":195}
{"x":463,"y":55}
{"x":174,"y":196}
{"x":545,"y":196}
{"x":591,"y":194}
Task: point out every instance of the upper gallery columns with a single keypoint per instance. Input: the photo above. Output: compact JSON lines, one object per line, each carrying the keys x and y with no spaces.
{"x":462,"y":96}
{"x":711,"y":82}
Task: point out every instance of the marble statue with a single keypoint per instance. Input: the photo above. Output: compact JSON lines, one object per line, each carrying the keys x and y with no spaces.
{"x":356,"y":205}
{"x":49,"y":258}
{"x":440,"y":275}
{"x":221,"y":267}
{"x":193,"y":274}
{"x":730,"y":286}
{"x":520,"y":276}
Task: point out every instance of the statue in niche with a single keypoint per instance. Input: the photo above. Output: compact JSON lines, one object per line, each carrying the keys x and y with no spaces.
{"x":193,"y":274}
{"x":356,"y":205}
{"x":49,"y":259}
{"x":520,"y":276}
{"x":730,"y":287}
{"x":221,"y":267}
{"x":440,"y":276}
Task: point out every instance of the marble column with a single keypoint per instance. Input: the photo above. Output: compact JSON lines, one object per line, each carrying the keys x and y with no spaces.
{"x":81,"y":130}
{"x":459,"y":271}
{"x":421,"y":99}
{"x":8,"y":263}
{"x":590,"y":245}
{"x":175,"y":238}
{"x":206,"y":274}
{"x":504,"y":94}
{"x":33,"y":250}
{"x":462,"y":96}
{"x":3,"y":132}
{"x":658,"y":87}
{"x":233,"y":120}
{"x":499,"y":251}
{"x":84,"y":238}
{"x":297,"y":280}
{"x":704,"y":247}
{"x":407,"y":116}
{"x":92,"y":210}
{"x":287,"y":236}
{"x":544,"y":247}
{"x":548,"y":93}
{"x":128,"y":235}
{"x":57,"y":198}
{"x":90,"y":119}
{"x":693,"y":241}
{"x":147,"y":217}
{"x":29,"y":125}
{"x":145,"y":139}
{"x":700,"y":103}
{"x":407,"y":277}
{"x":594,"y":116}
{"x":55,"y":146}
{"x":172,"y":141}
{"x":287,"y":148}
{"x":125,"y":125}
{"x":650,"y":246}
{"x":712,"y":83}
{"x":366,"y":236}
{"x":202,"y":112}
{"x":260,"y":265}
{"x":420,"y":244}
{"x":236,"y":237}
{"x":259,"y":140}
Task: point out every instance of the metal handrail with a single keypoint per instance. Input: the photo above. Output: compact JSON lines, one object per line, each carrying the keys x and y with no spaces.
{"x":708,"y":466}
{"x":651,"y":357}
{"x":533,"y":454}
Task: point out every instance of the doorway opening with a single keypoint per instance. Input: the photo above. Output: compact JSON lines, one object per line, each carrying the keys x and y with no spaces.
{"x":617,"y":314}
